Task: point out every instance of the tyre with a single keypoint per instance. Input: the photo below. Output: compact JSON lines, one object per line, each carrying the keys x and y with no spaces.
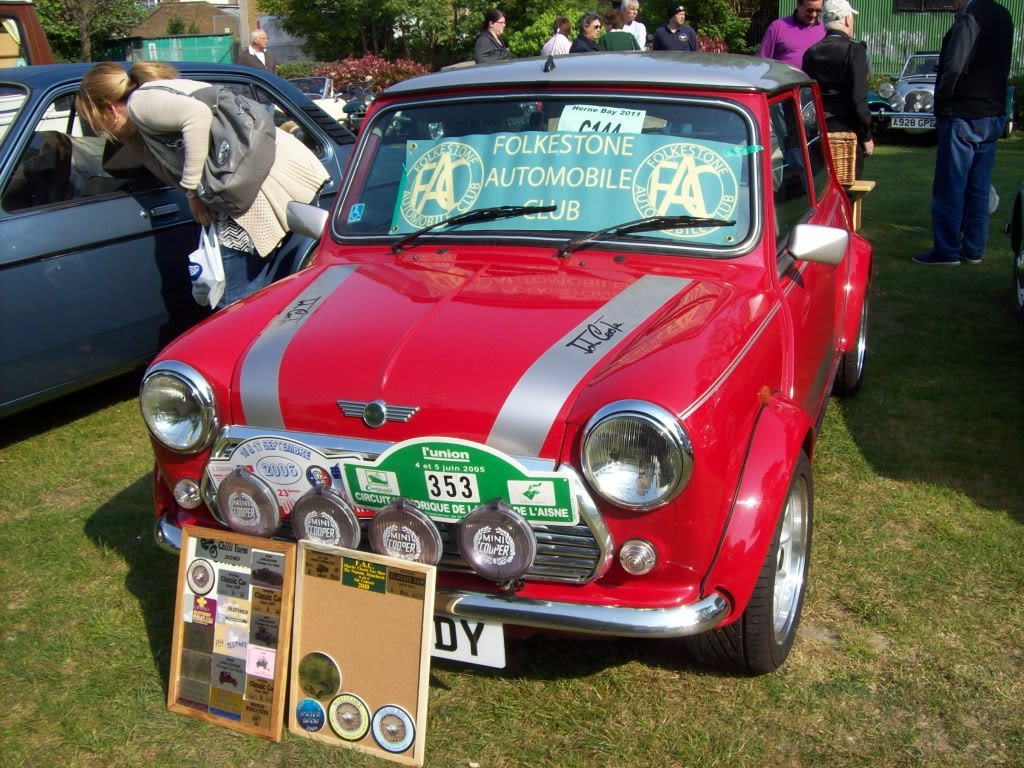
{"x":851,"y":365}
{"x":1018,"y":285}
{"x":760,"y":640}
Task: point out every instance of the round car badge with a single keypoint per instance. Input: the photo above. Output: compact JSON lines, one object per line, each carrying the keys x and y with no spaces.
{"x":200,"y":576}
{"x":310,"y":715}
{"x":323,"y":515}
{"x":318,"y":476}
{"x":393,"y":728}
{"x":319,"y":676}
{"x":248,"y":504}
{"x":349,"y":717}
{"x":401,"y":530}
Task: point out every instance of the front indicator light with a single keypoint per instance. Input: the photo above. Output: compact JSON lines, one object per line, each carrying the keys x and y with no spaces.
{"x":638,"y":557}
{"x":497,"y":542}
{"x":324,"y":516}
{"x":401,"y":530}
{"x":187,"y":494}
{"x":247,"y":504}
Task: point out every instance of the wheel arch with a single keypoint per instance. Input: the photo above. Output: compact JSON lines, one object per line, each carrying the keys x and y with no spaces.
{"x":859,"y":274}
{"x":782,"y":431}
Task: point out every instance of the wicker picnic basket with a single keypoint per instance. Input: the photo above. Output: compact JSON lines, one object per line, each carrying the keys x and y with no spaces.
{"x":844,"y":155}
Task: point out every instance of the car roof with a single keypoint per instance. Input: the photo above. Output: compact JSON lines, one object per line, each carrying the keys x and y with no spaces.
{"x":45,"y":75}
{"x":713,"y":71}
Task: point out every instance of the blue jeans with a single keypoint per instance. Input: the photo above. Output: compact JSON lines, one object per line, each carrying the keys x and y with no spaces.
{"x":245,"y":272}
{"x":963,"y":174}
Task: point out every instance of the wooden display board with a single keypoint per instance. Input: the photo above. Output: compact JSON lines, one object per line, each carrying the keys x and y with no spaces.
{"x":232,"y":621}
{"x":361,"y":651}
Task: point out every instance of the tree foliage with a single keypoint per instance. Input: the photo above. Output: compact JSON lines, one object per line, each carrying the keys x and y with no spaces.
{"x":175,"y":25}
{"x":72,"y":26}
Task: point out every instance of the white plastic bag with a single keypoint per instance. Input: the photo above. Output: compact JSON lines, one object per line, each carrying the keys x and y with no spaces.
{"x":206,"y":269}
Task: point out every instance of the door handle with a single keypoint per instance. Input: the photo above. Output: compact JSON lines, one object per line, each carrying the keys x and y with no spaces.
{"x":160,"y":210}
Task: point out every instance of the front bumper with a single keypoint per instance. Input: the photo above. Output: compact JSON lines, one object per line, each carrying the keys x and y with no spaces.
{"x":547,"y":615}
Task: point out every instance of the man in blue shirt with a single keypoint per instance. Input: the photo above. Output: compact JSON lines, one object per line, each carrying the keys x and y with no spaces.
{"x":674,"y":35}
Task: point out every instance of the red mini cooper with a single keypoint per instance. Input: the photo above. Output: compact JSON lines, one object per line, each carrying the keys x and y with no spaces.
{"x":569,"y":336}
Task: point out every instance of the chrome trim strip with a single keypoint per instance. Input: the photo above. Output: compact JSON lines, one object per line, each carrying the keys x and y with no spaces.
{"x":258,"y":390}
{"x":615,"y":620}
{"x":529,"y":413}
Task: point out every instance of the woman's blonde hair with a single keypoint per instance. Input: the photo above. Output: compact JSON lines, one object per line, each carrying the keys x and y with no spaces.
{"x":108,"y":83}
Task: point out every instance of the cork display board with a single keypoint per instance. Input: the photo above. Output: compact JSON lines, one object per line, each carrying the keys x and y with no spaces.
{"x":361,"y":651}
{"x":232,"y":616}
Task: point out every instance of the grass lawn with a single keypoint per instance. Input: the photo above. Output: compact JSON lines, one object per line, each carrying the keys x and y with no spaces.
{"x":912,"y":648}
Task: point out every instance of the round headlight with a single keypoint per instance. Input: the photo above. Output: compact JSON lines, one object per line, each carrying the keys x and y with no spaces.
{"x":885,"y":90}
{"x":323,"y":515}
{"x":636,"y":454}
{"x":177,"y":405}
{"x":247,"y":504}
{"x":497,"y":542}
{"x":401,"y":530}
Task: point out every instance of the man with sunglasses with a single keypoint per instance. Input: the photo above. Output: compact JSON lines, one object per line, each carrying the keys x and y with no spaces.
{"x":788,"y":38}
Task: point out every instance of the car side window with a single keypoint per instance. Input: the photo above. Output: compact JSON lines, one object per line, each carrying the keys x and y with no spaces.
{"x":789,"y":172}
{"x":63,"y":161}
{"x":13,"y":51}
{"x":815,"y":150}
{"x":286,"y":119}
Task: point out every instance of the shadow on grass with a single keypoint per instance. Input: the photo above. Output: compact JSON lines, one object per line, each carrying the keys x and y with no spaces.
{"x":125,"y":524}
{"x":65,"y":410}
{"x":941,"y":402}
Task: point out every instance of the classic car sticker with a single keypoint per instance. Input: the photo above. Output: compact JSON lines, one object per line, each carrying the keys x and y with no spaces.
{"x":264,"y":630}
{"x":259,"y":662}
{"x":258,"y":379}
{"x":223,"y":552}
{"x":319,"y":676}
{"x":310,"y":715}
{"x":200,"y":576}
{"x":231,"y":610}
{"x":266,"y":601}
{"x":226,"y":704}
{"x":530,"y":410}
{"x":194,"y":694}
{"x":259,"y":689}
{"x":582,"y":173}
{"x":233,"y":584}
{"x":256,"y":714}
{"x":586,"y":117}
{"x":449,"y":478}
{"x":393,"y":728}
{"x":349,"y":717}
{"x":267,"y":569}
{"x":196,"y":666}
{"x":204,"y":610}
{"x":228,"y":673}
{"x":231,"y":640}
{"x":364,"y":575}
{"x":322,"y":565}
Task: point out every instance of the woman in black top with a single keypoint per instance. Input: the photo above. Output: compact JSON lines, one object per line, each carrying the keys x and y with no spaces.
{"x":488,"y":45}
{"x":589,"y":28}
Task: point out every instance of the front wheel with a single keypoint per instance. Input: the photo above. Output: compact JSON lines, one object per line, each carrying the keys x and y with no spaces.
{"x":1018,"y":285}
{"x":850,"y":373}
{"x":760,"y":640}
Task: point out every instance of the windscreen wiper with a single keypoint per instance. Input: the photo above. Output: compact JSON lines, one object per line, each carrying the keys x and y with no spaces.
{"x":472,"y":217}
{"x":643,"y":225}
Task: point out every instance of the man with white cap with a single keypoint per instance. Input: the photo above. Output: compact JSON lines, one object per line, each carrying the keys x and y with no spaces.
{"x":840,"y":66}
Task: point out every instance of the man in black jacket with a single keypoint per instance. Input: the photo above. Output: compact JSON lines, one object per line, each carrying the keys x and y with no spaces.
{"x":841,"y":68}
{"x":970,"y":114}
{"x":256,"y":54}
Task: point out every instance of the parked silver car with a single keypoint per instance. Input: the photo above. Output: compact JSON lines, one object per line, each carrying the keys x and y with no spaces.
{"x":908,"y":102}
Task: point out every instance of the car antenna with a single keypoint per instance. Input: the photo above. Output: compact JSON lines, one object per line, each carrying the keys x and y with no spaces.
{"x":550,"y":63}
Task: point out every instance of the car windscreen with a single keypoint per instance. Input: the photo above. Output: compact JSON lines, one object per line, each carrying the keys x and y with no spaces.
{"x":599,"y":161}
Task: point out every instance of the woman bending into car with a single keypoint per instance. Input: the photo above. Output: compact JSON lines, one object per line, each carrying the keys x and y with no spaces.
{"x":113,"y":102}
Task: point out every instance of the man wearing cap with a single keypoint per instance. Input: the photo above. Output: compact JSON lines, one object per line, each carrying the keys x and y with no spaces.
{"x":787,"y":39}
{"x":675,"y":35}
{"x":840,"y":66}
{"x":970,"y":115}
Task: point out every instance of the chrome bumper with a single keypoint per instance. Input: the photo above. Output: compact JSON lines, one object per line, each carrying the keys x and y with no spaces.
{"x":608,"y":620}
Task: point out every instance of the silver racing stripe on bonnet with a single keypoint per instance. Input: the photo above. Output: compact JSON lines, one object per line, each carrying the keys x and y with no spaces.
{"x":531,"y":408}
{"x":258,"y":385}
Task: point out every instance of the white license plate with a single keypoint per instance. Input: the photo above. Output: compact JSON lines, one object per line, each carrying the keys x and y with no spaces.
{"x":913,"y":122}
{"x":469,"y":641}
